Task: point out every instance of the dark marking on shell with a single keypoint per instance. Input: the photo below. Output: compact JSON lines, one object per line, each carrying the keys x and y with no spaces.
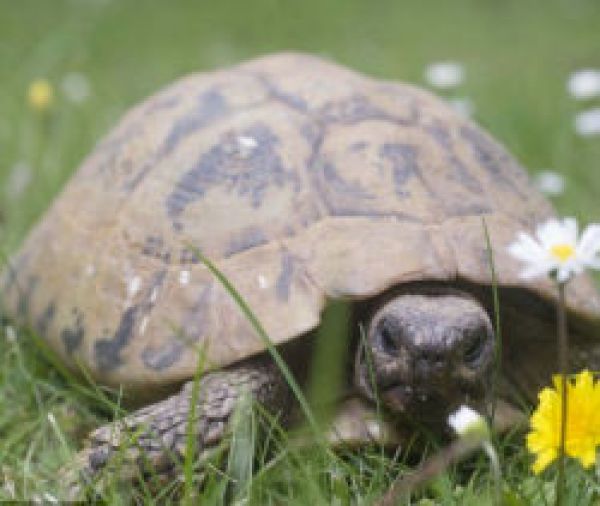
{"x":494,"y":160}
{"x":108,"y":351}
{"x":72,"y":337}
{"x":210,"y":106}
{"x":290,"y":100}
{"x":249,"y":173}
{"x":286,"y":276}
{"x":338,"y":184}
{"x":162,"y":103}
{"x":356,"y":109}
{"x":109,"y":152}
{"x":338,"y":195}
{"x":192,"y":328}
{"x":25,"y":294}
{"x":248,"y":238}
{"x":12,"y":270}
{"x":347,"y":211}
{"x":460,"y":173}
{"x":346,"y":199}
{"x":404,"y":165}
{"x":117,"y":139}
{"x":309,"y":216}
{"x":45,"y":319}
{"x":155,"y":283}
{"x":358,"y":146}
{"x":400,"y":94}
{"x":456,"y":203}
{"x":154,"y":247}
{"x":161,"y":357}
{"x":188,"y":256}
{"x":197,"y":318}
{"x":440,"y":134}
{"x":313,"y":133}
{"x":465,"y":209}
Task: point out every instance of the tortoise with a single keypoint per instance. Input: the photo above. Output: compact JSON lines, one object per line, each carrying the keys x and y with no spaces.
{"x":305,"y":183}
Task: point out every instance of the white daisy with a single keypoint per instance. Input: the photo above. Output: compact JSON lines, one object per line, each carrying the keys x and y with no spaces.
{"x":76,"y":87}
{"x":10,"y":333}
{"x":446,"y":74}
{"x":584,"y":84}
{"x":587,"y":123}
{"x":50,"y":498}
{"x":466,"y":421}
{"x":550,"y":182}
{"x":556,"y":250}
{"x":464,"y":106}
{"x":19,"y":179}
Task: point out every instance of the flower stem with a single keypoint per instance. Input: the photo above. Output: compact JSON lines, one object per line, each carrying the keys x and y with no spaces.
{"x":492,"y":455}
{"x":563,"y":364}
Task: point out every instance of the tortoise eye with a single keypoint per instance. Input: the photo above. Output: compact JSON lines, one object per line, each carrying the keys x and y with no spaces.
{"x":386,"y":331}
{"x":475,"y":347}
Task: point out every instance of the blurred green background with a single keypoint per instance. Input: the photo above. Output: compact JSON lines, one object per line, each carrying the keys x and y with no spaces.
{"x":517,"y":56}
{"x":102,"y":56}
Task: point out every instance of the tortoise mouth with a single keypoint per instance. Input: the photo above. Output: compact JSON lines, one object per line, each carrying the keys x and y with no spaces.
{"x":417,"y":403}
{"x":428,"y":406}
{"x":424,"y":401}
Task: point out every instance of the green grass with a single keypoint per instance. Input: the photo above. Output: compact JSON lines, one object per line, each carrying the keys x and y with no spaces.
{"x":517,"y":54}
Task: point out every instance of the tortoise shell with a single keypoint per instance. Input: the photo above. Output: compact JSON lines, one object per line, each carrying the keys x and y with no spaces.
{"x":302,"y":180}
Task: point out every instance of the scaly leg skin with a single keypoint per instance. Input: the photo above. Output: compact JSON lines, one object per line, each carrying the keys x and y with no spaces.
{"x":153,"y":439}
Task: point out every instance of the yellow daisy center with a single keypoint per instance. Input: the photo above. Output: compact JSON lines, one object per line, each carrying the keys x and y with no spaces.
{"x":562,"y":252}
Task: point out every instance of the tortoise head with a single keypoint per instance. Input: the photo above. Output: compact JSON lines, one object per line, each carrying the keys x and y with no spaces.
{"x":426,"y":352}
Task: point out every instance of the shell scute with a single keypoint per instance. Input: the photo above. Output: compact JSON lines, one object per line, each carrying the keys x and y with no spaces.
{"x":245,"y":163}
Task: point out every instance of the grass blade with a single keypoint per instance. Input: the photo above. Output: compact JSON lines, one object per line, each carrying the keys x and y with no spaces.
{"x":497,"y":324}
{"x":259,"y":329}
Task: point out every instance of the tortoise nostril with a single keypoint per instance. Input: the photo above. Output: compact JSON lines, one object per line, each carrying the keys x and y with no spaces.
{"x":387,"y":341}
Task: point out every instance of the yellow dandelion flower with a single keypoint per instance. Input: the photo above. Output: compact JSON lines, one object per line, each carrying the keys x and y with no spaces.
{"x":583,"y":422}
{"x":40,"y":95}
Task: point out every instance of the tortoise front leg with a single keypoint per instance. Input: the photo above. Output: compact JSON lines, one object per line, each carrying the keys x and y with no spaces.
{"x":153,"y":439}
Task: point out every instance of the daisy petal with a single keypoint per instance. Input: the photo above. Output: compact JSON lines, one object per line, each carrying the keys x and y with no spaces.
{"x":571,"y":230}
{"x":536,"y":270}
{"x":547,"y":233}
{"x":563,"y":274}
{"x":589,"y":244}
{"x":525,"y":248}
{"x":593,"y":263}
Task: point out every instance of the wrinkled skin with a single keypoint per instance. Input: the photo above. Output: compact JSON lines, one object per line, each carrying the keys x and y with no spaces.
{"x":426,"y":352}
